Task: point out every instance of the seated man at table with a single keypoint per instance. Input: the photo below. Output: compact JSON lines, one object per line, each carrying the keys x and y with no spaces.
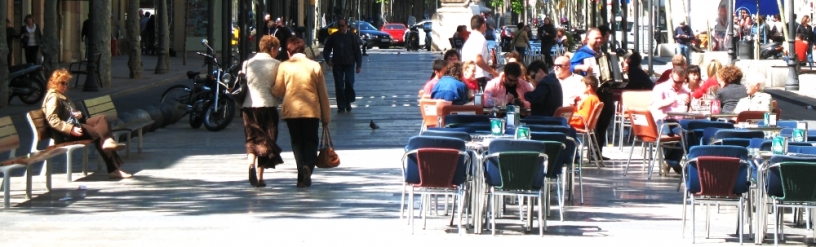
{"x":510,"y":83}
{"x":450,"y":87}
{"x":439,"y":71}
{"x":756,"y":100}
{"x":547,"y":95}
{"x":670,"y":97}
{"x":677,"y":60}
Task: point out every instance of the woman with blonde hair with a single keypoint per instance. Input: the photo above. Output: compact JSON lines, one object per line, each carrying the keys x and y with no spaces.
{"x":711,"y":83}
{"x":301,"y":83}
{"x":67,"y":125}
{"x":260,"y":110}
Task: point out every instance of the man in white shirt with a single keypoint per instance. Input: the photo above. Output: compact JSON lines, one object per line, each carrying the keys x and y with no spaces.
{"x":475,"y":49}
{"x":571,"y":84}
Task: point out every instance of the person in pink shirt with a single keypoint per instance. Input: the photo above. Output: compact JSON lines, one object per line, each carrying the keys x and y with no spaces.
{"x":438,"y":68}
{"x":670,"y":97}
{"x":510,"y":83}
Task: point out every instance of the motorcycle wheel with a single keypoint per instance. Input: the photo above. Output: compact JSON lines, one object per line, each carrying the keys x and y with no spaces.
{"x":220,"y":119}
{"x":196,"y":115}
{"x":37,"y":91}
{"x":177,"y":93}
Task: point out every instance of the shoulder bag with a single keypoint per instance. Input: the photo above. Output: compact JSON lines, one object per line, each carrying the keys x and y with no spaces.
{"x":327,"y":158}
{"x":239,"y":89}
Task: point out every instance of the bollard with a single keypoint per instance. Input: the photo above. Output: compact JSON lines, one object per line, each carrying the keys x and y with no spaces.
{"x":167,"y":114}
{"x":144,"y":115}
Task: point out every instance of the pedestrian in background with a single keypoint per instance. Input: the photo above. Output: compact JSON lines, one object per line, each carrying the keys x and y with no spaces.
{"x":342,"y":50}
{"x":31,"y":36}
{"x":260,"y":110}
{"x":301,"y":83}
{"x":521,"y":40}
{"x":283,"y":34}
{"x":10,"y":34}
{"x":683,"y":36}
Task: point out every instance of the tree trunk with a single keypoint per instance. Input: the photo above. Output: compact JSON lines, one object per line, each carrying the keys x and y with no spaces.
{"x":102,"y":38}
{"x":4,"y":89}
{"x":134,"y":40}
{"x":50,"y":42}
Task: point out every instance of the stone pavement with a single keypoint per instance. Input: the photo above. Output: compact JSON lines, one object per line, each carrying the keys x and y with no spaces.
{"x":121,"y":83}
{"x":190,"y":189}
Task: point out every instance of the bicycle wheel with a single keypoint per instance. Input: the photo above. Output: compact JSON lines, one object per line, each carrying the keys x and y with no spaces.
{"x":177,"y":93}
{"x":215,"y":120}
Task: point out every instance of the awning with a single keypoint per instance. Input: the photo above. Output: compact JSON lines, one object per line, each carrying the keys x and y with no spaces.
{"x":766,"y":7}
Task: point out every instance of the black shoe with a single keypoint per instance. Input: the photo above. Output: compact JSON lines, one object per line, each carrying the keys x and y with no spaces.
{"x":341,"y":110}
{"x":253,"y":177}
{"x":677,"y":169}
{"x":605,"y":158}
{"x":307,"y":176}
{"x":348,"y":109}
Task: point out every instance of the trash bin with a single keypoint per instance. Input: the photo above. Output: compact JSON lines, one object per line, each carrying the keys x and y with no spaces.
{"x":745,"y":49}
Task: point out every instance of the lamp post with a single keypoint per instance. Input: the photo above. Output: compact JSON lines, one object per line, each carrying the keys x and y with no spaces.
{"x":729,"y":34}
{"x":91,"y":79}
{"x":793,"y":77}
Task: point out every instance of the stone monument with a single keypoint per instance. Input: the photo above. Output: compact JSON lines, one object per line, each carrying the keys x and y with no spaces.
{"x":451,"y":14}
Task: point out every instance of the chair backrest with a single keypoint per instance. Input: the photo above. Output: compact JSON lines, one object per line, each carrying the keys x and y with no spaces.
{"x":547,"y":121}
{"x":564,"y":112}
{"x":463,"y":120}
{"x":9,"y":140}
{"x":457,"y":129}
{"x":643,"y":124}
{"x":742,"y":142}
{"x":636,"y":99}
{"x":453,"y":134}
{"x":737,"y":152}
{"x":738,"y":133}
{"x":798,"y":184}
{"x":449,"y":109}
{"x":517,"y":170}
{"x":437,"y":167}
{"x":429,"y":108}
{"x":751,"y":116}
{"x":100,"y":106}
{"x":410,"y":168}
{"x":595,"y":115}
{"x":40,"y":129}
{"x":718,"y":150}
{"x":557,"y":155}
{"x":717,"y":175}
{"x":492,"y":173}
{"x":801,"y":149}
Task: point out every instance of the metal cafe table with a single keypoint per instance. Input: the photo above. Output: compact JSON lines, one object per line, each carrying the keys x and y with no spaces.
{"x":480,"y":143}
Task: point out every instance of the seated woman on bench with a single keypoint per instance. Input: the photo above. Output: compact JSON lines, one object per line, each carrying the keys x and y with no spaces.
{"x":65,"y":122}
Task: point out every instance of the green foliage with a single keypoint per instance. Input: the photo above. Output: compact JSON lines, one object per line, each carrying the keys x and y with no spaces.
{"x":517,"y":6}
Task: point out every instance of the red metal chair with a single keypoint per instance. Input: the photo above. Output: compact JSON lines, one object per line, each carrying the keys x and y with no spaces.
{"x":565,"y":112}
{"x":751,"y":116}
{"x":647,"y":131}
{"x":718,"y":177}
{"x":588,"y":137}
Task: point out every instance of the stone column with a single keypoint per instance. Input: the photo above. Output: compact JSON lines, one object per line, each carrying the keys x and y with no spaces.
{"x":452,"y":14}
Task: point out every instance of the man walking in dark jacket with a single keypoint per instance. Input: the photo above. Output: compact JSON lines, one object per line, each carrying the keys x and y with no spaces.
{"x":345,"y":49}
{"x":283,"y":34}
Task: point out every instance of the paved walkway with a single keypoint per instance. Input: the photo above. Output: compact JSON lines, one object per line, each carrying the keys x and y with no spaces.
{"x":190,"y":189}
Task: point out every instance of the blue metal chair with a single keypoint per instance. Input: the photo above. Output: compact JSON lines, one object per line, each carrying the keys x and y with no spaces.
{"x":716,"y":173}
{"x":571,"y":156}
{"x":517,"y":167}
{"x":801,"y":148}
{"x":464,"y":136}
{"x":464,"y":120}
{"x":738,"y":133}
{"x":693,"y":130}
{"x":456,"y":129}
{"x":544,"y":120}
{"x":557,"y":157}
{"x":742,"y":142}
{"x":411,"y":172}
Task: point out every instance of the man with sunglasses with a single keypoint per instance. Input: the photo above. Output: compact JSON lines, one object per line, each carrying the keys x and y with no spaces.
{"x":547,"y":95}
{"x":510,"y":83}
{"x":670,"y":97}
{"x":342,"y":51}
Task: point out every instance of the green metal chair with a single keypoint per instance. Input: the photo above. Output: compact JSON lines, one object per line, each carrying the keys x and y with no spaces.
{"x":521,"y":174}
{"x":798,"y":189}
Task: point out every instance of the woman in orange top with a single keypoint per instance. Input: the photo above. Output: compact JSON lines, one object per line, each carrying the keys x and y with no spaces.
{"x":586,"y":104}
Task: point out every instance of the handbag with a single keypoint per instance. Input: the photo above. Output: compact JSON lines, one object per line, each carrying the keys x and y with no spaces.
{"x":239,"y":89}
{"x":326,"y":157}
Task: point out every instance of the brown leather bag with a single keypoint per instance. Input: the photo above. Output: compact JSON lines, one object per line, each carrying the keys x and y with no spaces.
{"x":326,"y":157}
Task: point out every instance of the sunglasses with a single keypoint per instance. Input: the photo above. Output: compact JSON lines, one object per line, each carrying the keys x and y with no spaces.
{"x":561,"y":65}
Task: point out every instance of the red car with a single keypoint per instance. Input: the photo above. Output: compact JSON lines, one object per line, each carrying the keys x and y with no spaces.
{"x":397,"y":32}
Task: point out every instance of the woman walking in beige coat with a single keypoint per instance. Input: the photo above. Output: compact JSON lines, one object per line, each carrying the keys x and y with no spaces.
{"x":305,"y":105}
{"x":260,"y":111}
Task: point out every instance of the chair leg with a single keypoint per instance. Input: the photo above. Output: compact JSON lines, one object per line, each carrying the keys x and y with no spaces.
{"x":776,"y":224}
{"x":402,"y":201}
{"x":493,"y":214}
{"x":411,"y":209}
{"x":530,"y":205}
{"x":560,"y":195}
{"x":708,"y":221}
{"x":629,"y":161}
{"x":693,"y":221}
{"x":542,"y":222}
{"x":426,"y":201}
{"x":460,"y":195}
{"x":685,"y":201}
{"x":741,"y":218}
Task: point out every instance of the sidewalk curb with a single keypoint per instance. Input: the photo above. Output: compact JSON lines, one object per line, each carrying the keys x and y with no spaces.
{"x":791,"y":97}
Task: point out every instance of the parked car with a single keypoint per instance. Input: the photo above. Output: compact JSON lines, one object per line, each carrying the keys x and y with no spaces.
{"x":397,"y":32}
{"x":368,"y":33}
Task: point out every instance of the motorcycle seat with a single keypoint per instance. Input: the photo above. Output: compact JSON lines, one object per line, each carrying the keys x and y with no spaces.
{"x":192,"y":74}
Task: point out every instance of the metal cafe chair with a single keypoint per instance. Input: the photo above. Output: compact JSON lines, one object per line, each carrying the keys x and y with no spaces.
{"x":517,"y":168}
{"x":797,"y":190}
{"x":720,"y":179}
{"x":647,"y":132}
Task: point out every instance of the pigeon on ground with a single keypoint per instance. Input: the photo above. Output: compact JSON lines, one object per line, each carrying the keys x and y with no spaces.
{"x":373,"y":125}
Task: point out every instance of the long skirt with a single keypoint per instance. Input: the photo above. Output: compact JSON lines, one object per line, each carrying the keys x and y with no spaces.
{"x":261,"y":131}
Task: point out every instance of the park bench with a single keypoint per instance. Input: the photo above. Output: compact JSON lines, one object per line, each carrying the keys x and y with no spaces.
{"x":76,"y":69}
{"x":41,"y":131}
{"x":104,"y":106}
{"x":9,"y":142}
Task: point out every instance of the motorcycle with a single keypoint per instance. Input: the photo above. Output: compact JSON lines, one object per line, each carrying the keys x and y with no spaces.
{"x":771,"y":50}
{"x":27,"y":82}
{"x":412,"y":43}
{"x":428,"y":40}
{"x":208,"y":102}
